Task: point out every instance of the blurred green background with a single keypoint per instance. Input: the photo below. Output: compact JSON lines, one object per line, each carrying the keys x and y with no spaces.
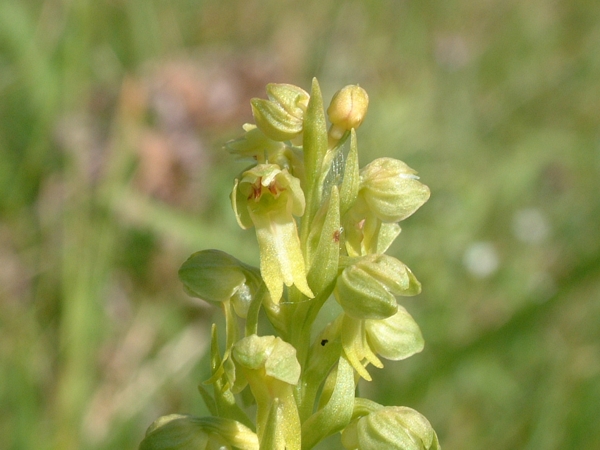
{"x":112,"y":120}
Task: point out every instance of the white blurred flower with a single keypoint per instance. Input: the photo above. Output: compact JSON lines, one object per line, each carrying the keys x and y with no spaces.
{"x":481,"y":259}
{"x":529,"y":225}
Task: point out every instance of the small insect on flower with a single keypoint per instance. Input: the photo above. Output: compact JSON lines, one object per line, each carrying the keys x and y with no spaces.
{"x":324,"y":341}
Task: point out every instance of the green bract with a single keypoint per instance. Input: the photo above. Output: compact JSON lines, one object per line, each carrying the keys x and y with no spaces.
{"x":323,"y":226}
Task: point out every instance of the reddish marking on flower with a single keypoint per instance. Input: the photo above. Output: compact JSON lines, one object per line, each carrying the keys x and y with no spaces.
{"x":256,"y":190}
{"x":336,"y":236}
{"x":273,"y":189}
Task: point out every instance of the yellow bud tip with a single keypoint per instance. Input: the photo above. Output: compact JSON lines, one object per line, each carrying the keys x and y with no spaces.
{"x":348,"y":107}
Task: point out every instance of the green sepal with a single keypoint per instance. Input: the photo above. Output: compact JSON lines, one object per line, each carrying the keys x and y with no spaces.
{"x":338,"y":395}
{"x":274,"y":121}
{"x":292,"y":99}
{"x":216,"y":277}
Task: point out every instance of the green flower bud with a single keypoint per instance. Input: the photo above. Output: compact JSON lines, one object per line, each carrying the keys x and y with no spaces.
{"x":269,"y":353}
{"x":391,"y":189}
{"x":367,"y":288}
{"x":390,"y":428}
{"x":347,"y":110}
{"x":216,"y":277}
{"x":182,"y":432}
{"x":281,"y":118}
{"x":396,"y":337}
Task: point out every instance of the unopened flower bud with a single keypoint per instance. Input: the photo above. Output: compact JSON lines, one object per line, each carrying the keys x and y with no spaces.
{"x":391,"y":189}
{"x":347,"y":110}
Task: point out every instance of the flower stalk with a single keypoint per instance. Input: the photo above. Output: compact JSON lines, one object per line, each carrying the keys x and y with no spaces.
{"x":323,"y":226}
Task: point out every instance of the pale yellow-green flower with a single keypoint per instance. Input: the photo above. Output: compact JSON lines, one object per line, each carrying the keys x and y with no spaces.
{"x":268,"y":197}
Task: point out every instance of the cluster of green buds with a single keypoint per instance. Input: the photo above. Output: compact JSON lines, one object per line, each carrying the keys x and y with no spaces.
{"x":323,"y":226}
